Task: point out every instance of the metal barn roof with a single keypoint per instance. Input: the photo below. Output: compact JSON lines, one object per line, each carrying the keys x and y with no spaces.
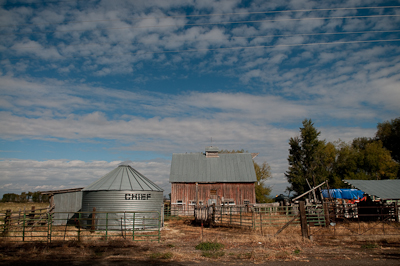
{"x":196,"y":167}
{"x":384,"y":189}
{"x":123,"y":177}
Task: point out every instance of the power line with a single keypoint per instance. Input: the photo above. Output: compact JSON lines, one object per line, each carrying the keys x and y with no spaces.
{"x":207,"y":15}
{"x":207,"y":24}
{"x":232,"y":37}
{"x":223,"y":48}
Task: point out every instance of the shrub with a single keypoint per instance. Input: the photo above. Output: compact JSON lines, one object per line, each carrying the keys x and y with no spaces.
{"x":207,"y":246}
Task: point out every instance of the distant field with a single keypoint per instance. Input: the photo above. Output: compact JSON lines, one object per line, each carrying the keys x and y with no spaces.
{"x":15,"y":207}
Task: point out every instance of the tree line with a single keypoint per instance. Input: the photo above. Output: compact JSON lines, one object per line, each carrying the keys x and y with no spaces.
{"x":312,"y":161}
{"x":25,"y":197}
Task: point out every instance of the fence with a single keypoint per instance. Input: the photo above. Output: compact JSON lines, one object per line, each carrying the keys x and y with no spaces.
{"x":359,"y":220}
{"x":178,"y":210}
{"x":32,"y":227}
{"x":257,"y":218}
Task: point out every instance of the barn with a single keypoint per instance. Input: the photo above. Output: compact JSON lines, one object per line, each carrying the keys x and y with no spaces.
{"x":212,"y":178}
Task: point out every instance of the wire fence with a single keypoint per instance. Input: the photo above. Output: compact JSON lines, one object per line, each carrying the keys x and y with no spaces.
{"x":33,"y":227}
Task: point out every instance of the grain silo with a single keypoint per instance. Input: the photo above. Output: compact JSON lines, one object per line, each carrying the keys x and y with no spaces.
{"x":120,"y":193}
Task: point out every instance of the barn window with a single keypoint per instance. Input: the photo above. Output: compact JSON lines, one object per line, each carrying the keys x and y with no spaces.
{"x":246,"y":202}
{"x":228,"y":202}
{"x":200,"y":202}
{"x":179,"y":202}
{"x":192,"y":202}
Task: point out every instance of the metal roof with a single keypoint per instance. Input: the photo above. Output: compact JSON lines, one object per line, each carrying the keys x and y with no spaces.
{"x":196,"y":167}
{"x":121,"y":178}
{"x":384,"y":189}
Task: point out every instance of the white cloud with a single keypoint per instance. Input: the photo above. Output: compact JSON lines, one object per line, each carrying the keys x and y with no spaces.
{"x":30,"y":175}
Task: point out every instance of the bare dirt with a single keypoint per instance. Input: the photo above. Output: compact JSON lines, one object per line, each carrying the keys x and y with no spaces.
{"x":179,"y":239}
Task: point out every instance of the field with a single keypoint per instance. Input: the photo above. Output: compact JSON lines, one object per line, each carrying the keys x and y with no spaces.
{"x":15,"y":207}
{"x":184,"y":244}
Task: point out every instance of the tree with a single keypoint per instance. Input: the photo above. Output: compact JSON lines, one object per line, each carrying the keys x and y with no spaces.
{"x":363,"y":158}
{"x":263,"y":173}
{"x":389,"y":134}
{"x":10,"y":197}
{"x":305,"y":159}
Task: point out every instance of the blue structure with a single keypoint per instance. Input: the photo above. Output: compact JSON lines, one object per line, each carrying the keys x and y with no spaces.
{"x":343,"y":193}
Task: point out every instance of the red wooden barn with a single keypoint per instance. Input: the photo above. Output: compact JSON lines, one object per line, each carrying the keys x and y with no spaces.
{"x":212,"y":177}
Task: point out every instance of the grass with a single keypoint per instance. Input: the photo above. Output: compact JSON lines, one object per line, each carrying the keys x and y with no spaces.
{"x":212,"y":254}
{"x":211,"y":249}
{"x":162,"y":256}
{"x":16,"y":206}
{"x":370,"y":245}
{"x":209,"y":246}
{"x":182,"y":242}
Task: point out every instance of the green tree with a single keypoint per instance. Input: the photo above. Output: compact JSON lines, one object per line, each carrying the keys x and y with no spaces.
{"x":389,"y":134}
{"x":364,"y":159}
{"x":10,"y":197}
{"x":306,"y":159}
{"x":263,"y":173}
{"x":36,"y":196}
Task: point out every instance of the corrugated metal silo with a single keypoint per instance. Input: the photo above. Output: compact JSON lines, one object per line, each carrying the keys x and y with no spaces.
{"x":123,"y":190}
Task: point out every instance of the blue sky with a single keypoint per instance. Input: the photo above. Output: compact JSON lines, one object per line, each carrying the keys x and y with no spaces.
{"x":87,"y":85}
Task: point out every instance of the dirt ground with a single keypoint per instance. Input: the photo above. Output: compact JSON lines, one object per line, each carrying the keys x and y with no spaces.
{"x":178,"y":247}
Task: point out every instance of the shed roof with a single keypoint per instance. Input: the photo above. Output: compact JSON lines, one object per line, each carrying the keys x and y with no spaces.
{"x":384,"y":189}
{"x":196,"y":167}
{"x":124,"y":177}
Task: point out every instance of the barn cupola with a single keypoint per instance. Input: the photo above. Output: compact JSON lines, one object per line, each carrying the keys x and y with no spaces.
{"x":212,"y":152}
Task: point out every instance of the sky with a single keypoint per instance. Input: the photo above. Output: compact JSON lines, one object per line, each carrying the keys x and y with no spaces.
{"x":87,"y":85}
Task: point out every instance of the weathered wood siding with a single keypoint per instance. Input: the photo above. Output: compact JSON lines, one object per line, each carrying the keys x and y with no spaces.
{"x":239,"y":192}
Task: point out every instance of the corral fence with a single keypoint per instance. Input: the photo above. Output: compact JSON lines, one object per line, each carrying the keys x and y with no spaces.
{"x":362,"y":220}
{"x":46,"y":227}
{"x":317,"y":220}
{"x":259,"y":217}
{"x":178,"y":210}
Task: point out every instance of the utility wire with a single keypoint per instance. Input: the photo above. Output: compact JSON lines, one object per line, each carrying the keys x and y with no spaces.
{"x":206,"y":24}
{"x":203,"y":15}
{"x":232,"y":37}
{"x":217,"y":49}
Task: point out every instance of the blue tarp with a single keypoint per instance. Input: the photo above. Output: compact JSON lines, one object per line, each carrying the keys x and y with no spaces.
{"x":343,"y":193}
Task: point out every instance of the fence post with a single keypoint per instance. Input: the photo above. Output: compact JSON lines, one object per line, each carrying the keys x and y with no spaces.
{"x":23,"y":227}
{"x":107,"y":225}
{"x":79,"y":226}
{"x":240,"y":216}
{"x":326,"y":212}
{"x":133,"y":226}
{"x":31,"y":216}
{"x":253,"y":219}
{"x":303,"y":219}
{"x":213,"y":214}
{"x":7,"y":222}
{"x":230,"y":216}
{"x":49,"y":227}
{"x":93,"y":227}
{"x":396,"y":212}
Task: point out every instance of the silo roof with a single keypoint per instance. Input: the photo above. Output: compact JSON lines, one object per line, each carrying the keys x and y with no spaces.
{"x":123,"y":178}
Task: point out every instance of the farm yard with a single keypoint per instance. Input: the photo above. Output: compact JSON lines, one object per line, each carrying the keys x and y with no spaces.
{"x":182,"y":243}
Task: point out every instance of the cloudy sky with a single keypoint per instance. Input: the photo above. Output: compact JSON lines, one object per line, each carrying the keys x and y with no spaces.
{"x":88,"y":84}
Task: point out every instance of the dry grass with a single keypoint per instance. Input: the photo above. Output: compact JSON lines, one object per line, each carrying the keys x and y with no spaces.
{"x":15,"y":207}
{"x":179,"y":240}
